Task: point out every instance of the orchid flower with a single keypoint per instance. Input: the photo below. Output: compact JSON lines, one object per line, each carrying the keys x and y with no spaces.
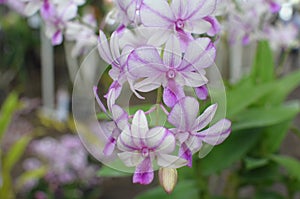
{"x":173,"y":71}
{"x":112,"y":55}
{"x":141,"y":146}
{"x":84,"y":35}
{"x":189,"y":128}
{"x":181,"y":17}
{"x":113,"y":128}
{"x":128,"y":11}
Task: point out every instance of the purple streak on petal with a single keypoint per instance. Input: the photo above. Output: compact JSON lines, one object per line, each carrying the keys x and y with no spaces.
{"x":184,"y":38}
{"x":172,"y":93}
{"x":201,"y":92}
{"x":47,"y":10}
{"x":169,"y":97}
{"x":116,"y":87}
{"x":120,"y":29}
{"x":215,"y":25}
{"x":110,"y":146}
{"x":185,"y":153}
{"x":217,"y":133}
{"x":57,"y":38}
{"x":144,"y":173}
{"x":274,"y":7}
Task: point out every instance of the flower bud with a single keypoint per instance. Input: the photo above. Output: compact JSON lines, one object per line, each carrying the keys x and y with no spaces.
{"x":167,"y":179}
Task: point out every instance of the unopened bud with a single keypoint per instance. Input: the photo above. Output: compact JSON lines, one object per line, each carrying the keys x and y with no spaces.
{"x":167,"y":179}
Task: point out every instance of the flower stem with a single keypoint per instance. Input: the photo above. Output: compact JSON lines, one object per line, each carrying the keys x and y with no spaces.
{"x":159,"y":95}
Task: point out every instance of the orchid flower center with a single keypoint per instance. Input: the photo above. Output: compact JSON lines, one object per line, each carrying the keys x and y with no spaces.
{"x":145,"y":152}
{"x":171,"y":74}
{"x":179,"y":24}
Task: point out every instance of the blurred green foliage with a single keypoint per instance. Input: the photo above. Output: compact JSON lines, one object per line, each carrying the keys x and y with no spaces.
{"x":18,"y":45}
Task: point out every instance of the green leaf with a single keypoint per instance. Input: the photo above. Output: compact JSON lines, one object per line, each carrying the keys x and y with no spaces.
{"x":241,"y":96}
{"x":232,"y":150}
{"x":15,"y":153}
{"x":263,"y":67}
{"x":253,"y":163}
{"x":274,"y":135}
{"x":265,"y":116}
{"x":291,"y":165}
{"x":30,"y":175}
{"x":10,"y":105}
{"x":184,"y":189}
{"x":283,"y":87}
{"x":109,"y":172}
{"x":265,"y":175}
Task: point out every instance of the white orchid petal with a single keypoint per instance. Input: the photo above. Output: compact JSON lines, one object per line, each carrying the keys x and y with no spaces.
{"x":184,"y":113}
{"x":161,"y":140}
{"x":131,"y":159}
{"x":156,"y":13}
{"x":170,"y":161}
{"x":172,"y":52}
{"x":205,"y":118}
{"x":139,"y":129}
{"x":217,"y":133}
{"x":104,"y":49}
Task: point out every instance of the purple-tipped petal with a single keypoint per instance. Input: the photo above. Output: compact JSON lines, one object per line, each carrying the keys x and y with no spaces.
{"x":169,"y":97}
{"x":57,"y":38}
{"x":144,"y":173}
{"x":202,"y":92}
{"x":172,"y":93}
{"x":246,"y":39}
{"x":274,"y":7}
{"x":109,"y":147}
{"x":215,"y":25}
{"x":185,"y":153}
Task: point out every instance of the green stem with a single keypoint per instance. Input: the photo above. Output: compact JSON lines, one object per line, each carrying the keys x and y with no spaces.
{"x":282,"y":61}
{"x":159,"y":95}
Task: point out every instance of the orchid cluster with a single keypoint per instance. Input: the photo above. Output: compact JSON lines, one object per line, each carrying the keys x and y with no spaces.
{"x":165,"y":46}
{"x":66,"y":159}
{"x":248,"y":22}
{"x":61,"y":19}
